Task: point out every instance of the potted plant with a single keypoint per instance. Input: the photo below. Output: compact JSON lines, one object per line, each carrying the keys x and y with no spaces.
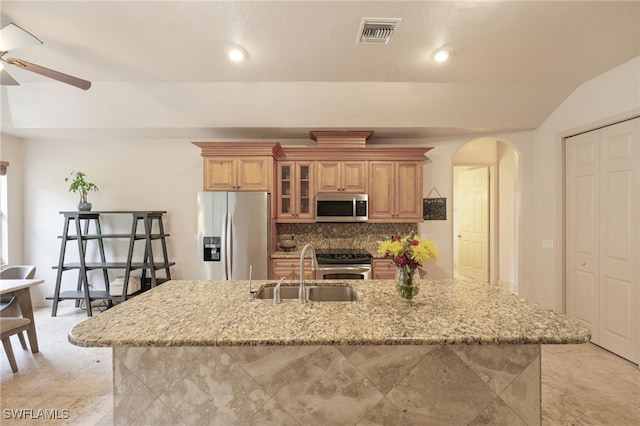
{"x":80,"y":184}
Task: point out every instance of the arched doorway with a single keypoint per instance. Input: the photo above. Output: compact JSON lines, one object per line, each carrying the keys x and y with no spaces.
{"x":486,"y":176}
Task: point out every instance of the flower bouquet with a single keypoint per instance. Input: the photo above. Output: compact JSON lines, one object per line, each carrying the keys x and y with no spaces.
{"x":408,"y":253}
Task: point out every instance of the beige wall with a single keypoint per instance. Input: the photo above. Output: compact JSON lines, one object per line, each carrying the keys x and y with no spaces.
{"x":600,"y":101}
{"x":504,"y":176}
{"x":508,"y":188}
{"x":131,"y":175}
{"x":166,"y":174}
{"x":438,"y":172}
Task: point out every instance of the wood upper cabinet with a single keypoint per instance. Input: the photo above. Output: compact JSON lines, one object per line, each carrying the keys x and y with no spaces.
{"x":219,"y":174}
{"x":239,"y":166}
{"x":395,"y":193}
{"x":238,"y":174}
{"x":295,"y":193}
{"x":341,"y":176}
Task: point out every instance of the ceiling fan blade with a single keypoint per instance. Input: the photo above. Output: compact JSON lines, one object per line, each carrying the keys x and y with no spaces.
{"x":14,"y":37}
{"x":56,"y":75}
{"x":7,"y":80}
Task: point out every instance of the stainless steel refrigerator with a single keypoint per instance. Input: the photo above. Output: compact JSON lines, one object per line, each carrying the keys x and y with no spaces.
{"x":233,"y":235}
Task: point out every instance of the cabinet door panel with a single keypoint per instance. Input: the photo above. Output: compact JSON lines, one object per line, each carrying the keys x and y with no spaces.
{"x":219,"y":174}
{"x":295,"y":192}
{"x":305,"y":207}
{"x":408,"y":190}
{"x":328,"y":176}
{"x":354,"y":177}
{"x":382,"y":186}
{"x":253,"y":174}
{"x":338,"y":176}
{"x":383,"y":269}
{"x":290,"y":269}
{"x":285,"y":189}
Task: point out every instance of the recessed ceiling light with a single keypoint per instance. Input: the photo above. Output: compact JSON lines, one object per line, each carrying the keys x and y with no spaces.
{"x":442,"y":55}
{"x":237,"y":54}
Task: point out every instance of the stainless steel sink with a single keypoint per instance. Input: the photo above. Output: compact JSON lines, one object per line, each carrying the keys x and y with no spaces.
{"x":314,"y":293}
{"x":331,"y":294}
{"x":286,"y":292}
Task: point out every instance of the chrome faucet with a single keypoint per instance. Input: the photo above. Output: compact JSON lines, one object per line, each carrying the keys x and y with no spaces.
{"x":276,"y":292}
{"x":302,"y":293}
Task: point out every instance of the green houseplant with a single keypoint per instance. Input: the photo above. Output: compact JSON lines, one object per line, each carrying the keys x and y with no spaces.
{"x":80,"y":185}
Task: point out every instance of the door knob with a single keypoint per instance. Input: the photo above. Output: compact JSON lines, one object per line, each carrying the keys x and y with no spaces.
{"x":459,"y":236}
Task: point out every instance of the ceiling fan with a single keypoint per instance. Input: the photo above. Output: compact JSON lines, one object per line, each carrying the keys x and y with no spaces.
{"x":14,"y":37}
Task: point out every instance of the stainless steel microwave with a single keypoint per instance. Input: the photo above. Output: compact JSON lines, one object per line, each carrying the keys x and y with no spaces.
{"x":342,"y":207}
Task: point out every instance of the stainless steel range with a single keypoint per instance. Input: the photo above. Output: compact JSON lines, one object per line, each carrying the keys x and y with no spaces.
{"x":343,"y":264}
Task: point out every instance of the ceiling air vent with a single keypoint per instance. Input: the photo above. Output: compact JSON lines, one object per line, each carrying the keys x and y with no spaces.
{"x":376,"y":30}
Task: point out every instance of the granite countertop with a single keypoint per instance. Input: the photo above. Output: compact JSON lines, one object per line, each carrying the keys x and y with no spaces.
{"x":289,"y":254}
{"x":295,"y":254}
{"x":219,"y":313}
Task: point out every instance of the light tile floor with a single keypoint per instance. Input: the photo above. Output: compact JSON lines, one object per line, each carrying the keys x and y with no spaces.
{"x":581,"y":384}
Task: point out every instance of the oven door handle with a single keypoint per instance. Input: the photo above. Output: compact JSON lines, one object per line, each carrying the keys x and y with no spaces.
{"x":341,"y":269}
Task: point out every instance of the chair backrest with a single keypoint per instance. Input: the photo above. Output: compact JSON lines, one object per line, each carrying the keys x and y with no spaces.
{"x":19,"y":272}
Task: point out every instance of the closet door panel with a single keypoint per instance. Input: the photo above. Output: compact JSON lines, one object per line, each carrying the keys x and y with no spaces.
{"x":582,"y":234}
{"x":619,"y":231}
{"x":584,"y":305}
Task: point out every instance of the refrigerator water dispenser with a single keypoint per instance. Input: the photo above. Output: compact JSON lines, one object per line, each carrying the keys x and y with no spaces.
{"x":211,"y":249}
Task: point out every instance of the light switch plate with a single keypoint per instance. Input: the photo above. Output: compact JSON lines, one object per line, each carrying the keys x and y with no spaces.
{"x":547,"y":244}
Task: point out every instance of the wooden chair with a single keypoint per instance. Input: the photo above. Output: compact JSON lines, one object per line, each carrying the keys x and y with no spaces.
{"x":9,"y":306}
{"x":9,"y":326}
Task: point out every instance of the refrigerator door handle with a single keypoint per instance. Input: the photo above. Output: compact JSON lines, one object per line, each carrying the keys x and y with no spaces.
{"x":223,"y":247}
{"x":229,"y":257}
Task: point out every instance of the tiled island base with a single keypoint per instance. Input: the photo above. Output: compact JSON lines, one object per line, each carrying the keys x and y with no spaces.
{"x":328,"y":385}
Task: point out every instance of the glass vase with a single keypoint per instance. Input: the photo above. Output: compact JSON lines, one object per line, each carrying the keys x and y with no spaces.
{"x":407,"y":283}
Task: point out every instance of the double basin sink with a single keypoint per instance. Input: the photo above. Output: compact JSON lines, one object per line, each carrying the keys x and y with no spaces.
{"x":315,"y":293}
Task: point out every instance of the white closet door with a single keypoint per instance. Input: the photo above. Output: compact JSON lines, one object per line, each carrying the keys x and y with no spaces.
{"x":582,"y":239}
{"x":619,"y":238}
{"x":603,"y":235}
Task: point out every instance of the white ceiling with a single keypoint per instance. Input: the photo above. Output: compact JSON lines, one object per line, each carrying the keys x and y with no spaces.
{"x":159,"y":68}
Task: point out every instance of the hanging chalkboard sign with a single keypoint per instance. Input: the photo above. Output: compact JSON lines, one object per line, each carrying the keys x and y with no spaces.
{"x":434,"y":208}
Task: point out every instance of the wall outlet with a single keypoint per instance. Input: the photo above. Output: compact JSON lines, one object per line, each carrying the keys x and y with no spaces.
{"x":547,"y":244}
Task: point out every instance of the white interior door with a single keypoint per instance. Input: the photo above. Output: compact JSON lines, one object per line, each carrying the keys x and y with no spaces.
{"x":619,"y":235}
{"x":473,"y":235}
{"x":603,"y":235}
{"x":582,"y":232}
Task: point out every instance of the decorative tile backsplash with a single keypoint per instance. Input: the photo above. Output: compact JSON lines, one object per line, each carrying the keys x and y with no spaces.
{"x":343,"y":235}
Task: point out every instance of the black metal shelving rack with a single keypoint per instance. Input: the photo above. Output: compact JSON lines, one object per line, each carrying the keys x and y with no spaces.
{"x":148,"y":264}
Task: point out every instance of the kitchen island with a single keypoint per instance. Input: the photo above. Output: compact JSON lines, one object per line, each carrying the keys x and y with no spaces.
{"x":200,"y":352}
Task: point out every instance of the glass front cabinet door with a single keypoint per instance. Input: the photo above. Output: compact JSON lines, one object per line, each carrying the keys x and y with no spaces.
{"x":296,"y":191}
